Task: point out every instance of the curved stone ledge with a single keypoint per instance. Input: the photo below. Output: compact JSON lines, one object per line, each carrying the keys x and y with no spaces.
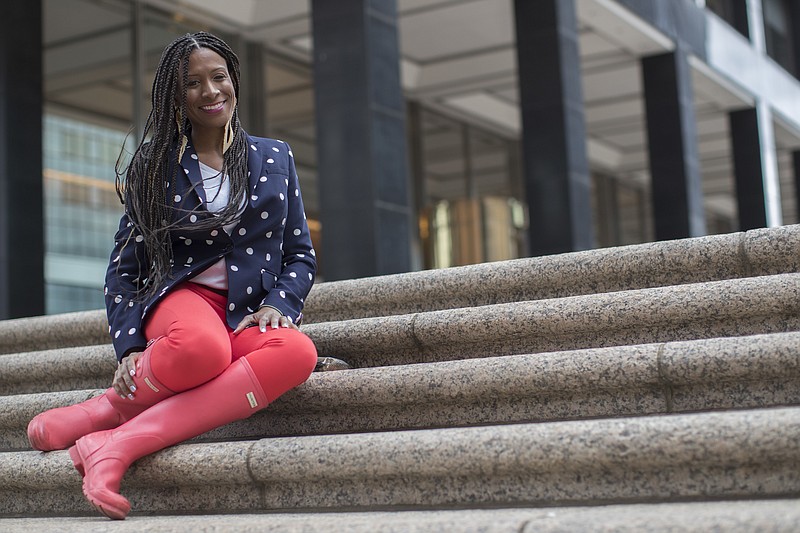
{"x":754,"y":372}
{"x":59,"y":369}
{"x":743,"y":516}
{"x":754,"y":253}
{"x":712,"y":455}
{"x":83,"y":328}
{"x":702,"y":310}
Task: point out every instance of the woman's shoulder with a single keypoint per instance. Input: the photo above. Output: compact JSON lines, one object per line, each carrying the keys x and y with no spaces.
{"x":275,"y":145}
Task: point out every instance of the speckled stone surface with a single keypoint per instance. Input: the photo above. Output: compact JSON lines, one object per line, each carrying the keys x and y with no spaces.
{"x":703,"y":310}
{"x":757,"y":252}
{"x":54,"y":331}
{"x":728,"y":454}
{"x":754,"y":253}
{"x":771,"y":250}
{"x":729,"y":516}
{"x":736,"y":372}
{"x":57,"y":370}
{"x":723,"y":454}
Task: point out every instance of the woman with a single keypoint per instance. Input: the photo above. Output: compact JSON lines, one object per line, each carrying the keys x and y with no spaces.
{"x":213,"y":241}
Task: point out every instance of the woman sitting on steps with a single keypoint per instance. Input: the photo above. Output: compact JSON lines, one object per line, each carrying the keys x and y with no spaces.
{"x":206,"y":283}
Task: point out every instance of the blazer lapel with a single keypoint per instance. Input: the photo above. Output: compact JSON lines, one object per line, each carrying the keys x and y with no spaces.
{"x":254,"y":162}
{"x":191,"y":167}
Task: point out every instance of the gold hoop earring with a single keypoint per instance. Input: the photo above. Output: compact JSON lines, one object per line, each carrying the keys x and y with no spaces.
{"x":182,"y":149}
{"x":227,"y":138}
{"x":184,"y":139}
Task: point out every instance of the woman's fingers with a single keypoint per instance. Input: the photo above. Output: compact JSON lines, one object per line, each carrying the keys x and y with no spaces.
{"x":123,"y":377}
{"x":246,"y":321}
{"x":263,"y":318}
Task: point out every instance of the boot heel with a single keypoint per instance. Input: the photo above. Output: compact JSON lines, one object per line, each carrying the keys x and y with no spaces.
{"x":77,"y":460}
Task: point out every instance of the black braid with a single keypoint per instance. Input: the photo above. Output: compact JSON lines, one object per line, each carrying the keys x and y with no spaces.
{"x":155,"y":161}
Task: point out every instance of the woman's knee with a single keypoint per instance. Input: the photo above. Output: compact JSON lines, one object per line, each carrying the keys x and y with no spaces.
{"x":286,"y":361}
{"x":189,"y":356}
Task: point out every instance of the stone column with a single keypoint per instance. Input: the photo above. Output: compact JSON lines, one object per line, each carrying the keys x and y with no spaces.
{"x":253,"y":91}
{"x":677,"y":191}
{"x":748,"y":169}
{"x":555,"y":163}
{"x":365,"y":205}
{"x":21,"y":196}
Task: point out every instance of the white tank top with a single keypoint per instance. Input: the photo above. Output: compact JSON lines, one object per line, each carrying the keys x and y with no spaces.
{"x":217,"y":194}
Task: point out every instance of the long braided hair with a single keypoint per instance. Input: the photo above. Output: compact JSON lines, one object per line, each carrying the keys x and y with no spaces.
{"x":149,"y":180}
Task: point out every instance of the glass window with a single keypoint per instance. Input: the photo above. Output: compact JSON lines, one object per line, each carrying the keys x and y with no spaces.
{"x":87,"y":68}
{"x":778,"y":33}
{"x":734,"y":12}
{"x":621,"y":210}
{"x":469,"y":212}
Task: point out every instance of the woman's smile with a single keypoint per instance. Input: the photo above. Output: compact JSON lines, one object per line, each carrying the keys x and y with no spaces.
{"x":214,"y":108}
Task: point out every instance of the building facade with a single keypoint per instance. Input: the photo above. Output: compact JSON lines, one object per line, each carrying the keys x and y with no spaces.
{"x":427,"y":133}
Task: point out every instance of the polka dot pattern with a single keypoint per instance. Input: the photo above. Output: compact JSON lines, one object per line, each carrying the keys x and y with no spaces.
{"x":289,"y":287}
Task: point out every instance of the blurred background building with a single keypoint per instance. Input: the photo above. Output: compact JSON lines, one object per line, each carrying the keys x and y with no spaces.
{"x":427,"y":133}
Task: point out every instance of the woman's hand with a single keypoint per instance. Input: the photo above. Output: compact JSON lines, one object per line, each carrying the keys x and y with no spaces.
{"x":123,"y":377}
{"x":266,"y":316}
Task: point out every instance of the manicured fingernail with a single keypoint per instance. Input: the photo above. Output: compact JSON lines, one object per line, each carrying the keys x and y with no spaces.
{"x":130,"y":396}
{"x":133,"y":388}
{"x":263,"y":329}
{"x":132,"y":372}
{"x":122,"y":396}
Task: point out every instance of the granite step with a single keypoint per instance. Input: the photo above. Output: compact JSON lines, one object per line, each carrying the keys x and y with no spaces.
{"x":713,"y":258}
{"x":743,"y":516}
{"x":729,"y":373}
{"x":659,"y":264}
{"x":704,"y":456}
{"x":725,"y":308}
{"x":739,"y":307}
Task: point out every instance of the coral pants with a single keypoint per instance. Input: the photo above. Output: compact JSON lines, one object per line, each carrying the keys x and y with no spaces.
{"x":194,"y":344}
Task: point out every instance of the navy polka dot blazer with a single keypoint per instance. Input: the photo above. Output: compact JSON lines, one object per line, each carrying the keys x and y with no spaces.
{"x":269,"y":256}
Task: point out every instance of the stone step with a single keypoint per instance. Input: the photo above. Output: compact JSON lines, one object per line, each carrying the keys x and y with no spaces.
{"x":743,"y":516}
{"x":754,"y":253}
{"x":659,"y":264}
{"x":719,"y":455}
{"x":703,"y":310}
{"x":693,"y":311}
{"x":83,"y":328}
{"x":738,"y":372}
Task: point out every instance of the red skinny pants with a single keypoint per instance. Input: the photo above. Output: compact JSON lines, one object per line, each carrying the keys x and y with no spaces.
{"x":194,"y":344}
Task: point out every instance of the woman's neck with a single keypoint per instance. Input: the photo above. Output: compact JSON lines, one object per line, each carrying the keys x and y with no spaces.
{"x":208,"y":146}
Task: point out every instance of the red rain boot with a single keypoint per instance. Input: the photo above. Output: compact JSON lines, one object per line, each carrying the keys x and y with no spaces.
{"x":58,"y":429}
{"x":104,"y":457}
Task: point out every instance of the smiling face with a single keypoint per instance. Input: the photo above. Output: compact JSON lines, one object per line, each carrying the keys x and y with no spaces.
{"x":210,"y":96}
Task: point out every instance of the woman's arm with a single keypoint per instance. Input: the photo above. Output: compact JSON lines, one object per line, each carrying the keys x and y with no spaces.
{"x":299,"y":264}
{"x":124,"y":277}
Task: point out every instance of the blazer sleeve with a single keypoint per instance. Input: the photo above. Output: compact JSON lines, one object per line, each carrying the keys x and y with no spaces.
{"x":299,"y":265}
{"x":125,"y":274}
